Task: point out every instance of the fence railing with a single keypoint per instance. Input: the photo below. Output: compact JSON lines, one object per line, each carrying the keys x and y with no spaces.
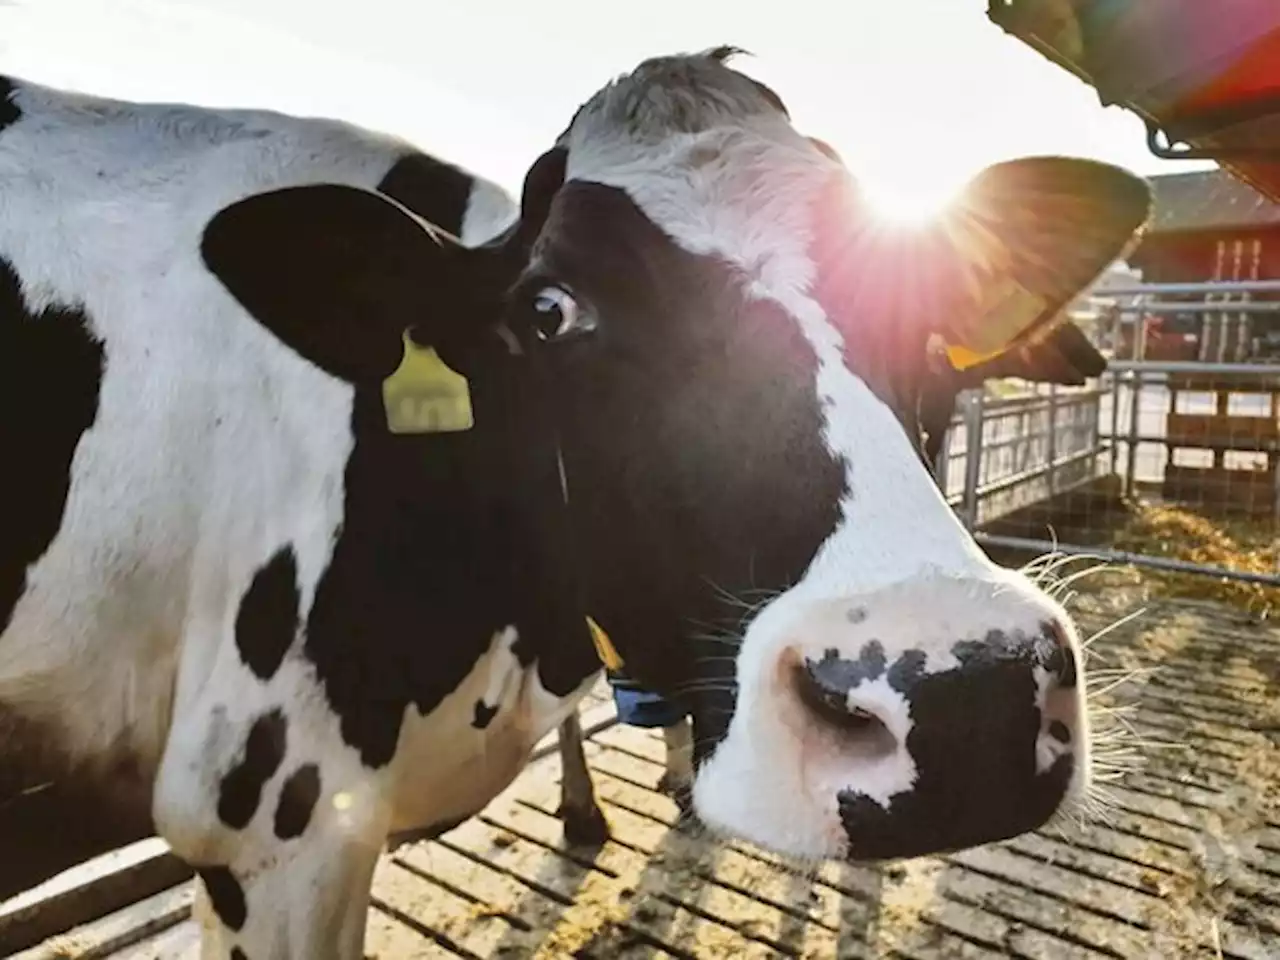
{"x":1003,"y":454}
{"x":1054,"y":468}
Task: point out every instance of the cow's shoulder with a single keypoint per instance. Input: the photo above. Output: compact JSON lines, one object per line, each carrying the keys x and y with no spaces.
{"x":51,"y":370}
{"x":194,"y":154}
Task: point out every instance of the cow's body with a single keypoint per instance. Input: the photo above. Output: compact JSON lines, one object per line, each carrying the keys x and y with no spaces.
{"x":181,"y":491}
{"x":245,"y":599}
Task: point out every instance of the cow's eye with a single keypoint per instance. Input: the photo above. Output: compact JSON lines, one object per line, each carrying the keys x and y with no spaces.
{"x":558,"y":315}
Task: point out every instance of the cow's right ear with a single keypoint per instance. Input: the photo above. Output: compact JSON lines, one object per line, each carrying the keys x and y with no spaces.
{"x":339,"y":274}
{"x":1077,"y":350}
{"x":1063,"y":354}
{"x":1022,"y":240}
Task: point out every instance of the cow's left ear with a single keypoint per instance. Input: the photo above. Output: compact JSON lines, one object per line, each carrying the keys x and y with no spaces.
{"x":1062,"y":354}
{"x":1077,"y":351}
{"x":1020,"y":242}
{"x":339,"y":274}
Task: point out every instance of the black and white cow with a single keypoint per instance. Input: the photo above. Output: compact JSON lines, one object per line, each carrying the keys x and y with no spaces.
{"x":250,"y":598}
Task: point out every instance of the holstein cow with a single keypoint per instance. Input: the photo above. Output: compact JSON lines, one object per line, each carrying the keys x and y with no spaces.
{"x":1063,"y":356}
{"x":315,"y":511}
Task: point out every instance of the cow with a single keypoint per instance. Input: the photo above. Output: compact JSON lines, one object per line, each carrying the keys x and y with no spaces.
{"x":324,"y":516}
{"x":1064,"y":356}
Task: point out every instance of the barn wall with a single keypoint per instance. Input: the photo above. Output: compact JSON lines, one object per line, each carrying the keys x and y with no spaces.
{"x":1184,"y":257}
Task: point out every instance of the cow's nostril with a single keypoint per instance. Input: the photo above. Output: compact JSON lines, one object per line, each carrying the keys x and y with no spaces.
{"x":1060,"y":731}
{"x":1061,"y":661}
{"x":1067,"y":675}
{"x":829,"y":701}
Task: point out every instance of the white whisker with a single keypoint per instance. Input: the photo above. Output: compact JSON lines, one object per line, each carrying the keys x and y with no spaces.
{"x":1118,"y":682}
{"x":1052,"y":562}
{"x":1089,"y":571}
{"x":1098,"y":635}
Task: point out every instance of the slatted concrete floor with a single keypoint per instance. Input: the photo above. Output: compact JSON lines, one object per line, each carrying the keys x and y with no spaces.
{"x":1187,"y":864}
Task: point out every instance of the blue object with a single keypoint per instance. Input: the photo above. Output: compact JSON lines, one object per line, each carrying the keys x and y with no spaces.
{"x":642,"y":708}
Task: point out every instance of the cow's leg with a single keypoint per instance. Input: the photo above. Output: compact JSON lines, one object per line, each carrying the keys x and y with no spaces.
{"x":677,"y":779}
{"x":258,"y":791}
{"x":584,"y":822}
{"x":642,"y":708}
{"x":294,"y":881}
{"x":273,"y":895}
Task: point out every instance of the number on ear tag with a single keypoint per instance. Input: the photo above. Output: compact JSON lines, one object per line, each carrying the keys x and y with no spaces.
{"x":425,"y":396}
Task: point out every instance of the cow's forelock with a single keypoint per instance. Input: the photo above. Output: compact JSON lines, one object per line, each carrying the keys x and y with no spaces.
{"x":665,"y":96}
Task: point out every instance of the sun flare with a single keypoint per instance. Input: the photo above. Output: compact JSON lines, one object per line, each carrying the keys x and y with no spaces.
{"x":897,"y":203}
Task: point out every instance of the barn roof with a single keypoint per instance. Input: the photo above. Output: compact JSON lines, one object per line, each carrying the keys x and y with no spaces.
{"x":1208,"y":200}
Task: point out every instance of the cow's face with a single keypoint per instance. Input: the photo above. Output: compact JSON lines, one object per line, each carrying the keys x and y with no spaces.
{"x":731,"y":356}
{"x":738,"y":358}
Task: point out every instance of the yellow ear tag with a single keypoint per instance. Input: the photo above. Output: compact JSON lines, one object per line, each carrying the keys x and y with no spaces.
{"x":425,"y":396}
{"x":1009,"y":310}
{"x":605,"y":649}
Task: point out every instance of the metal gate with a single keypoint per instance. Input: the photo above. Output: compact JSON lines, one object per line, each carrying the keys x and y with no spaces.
{"x":1193,"y":435}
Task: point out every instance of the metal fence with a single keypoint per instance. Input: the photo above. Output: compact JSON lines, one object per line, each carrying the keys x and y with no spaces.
{"x":1166,"y":463}
{"x":1024,"y":448}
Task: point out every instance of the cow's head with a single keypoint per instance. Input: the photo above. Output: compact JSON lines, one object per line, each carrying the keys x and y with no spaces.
{"x":731,"y":351}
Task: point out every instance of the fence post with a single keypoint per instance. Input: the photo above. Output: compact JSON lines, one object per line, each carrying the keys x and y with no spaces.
{"x":1135,"y":403}
{"x":1093,"y":432}
{"x":1115,"y":422}
{"x":1117,"y":339}
{"x":973,"y":402}
{"x":1051,"y":440}
{"x":941,"y":467}
{"x":1273,"y":411}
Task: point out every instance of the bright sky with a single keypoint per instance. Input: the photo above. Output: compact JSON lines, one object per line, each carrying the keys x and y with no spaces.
{"x":915,"y":94}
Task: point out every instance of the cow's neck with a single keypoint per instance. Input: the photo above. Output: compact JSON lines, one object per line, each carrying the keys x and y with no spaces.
{"x":446,"y":540}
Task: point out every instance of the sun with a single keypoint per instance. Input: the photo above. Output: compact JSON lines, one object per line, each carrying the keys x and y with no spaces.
{"x":907,"y":202}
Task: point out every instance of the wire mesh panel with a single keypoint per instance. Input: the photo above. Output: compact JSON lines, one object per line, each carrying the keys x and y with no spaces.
{"x":1032,"y":446}
{"x":1169,"y":464}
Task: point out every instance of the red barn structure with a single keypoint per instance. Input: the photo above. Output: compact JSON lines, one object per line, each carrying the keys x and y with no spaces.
{"x":1208,"y":226}
{"x":1203,"y":220}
